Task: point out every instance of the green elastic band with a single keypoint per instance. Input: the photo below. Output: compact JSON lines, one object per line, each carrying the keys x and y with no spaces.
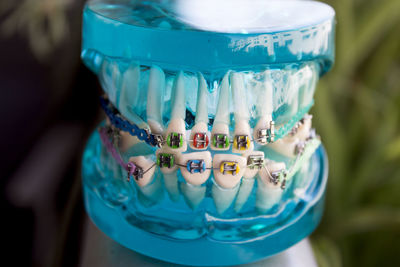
{"x":309,"y":150}
{"x":284,"y":130}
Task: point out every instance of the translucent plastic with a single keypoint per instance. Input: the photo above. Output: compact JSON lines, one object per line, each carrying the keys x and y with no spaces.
{"x":176,"y":66}
{"x":202,"y":237}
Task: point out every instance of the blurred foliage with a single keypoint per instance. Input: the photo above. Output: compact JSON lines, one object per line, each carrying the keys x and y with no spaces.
{"x":357,"y":112}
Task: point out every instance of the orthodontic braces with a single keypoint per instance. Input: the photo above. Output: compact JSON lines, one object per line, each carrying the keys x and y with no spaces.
{"x":220,"y":141}
{"x":122,"y":123}
{"x":196,"y":166}
{"x":131,"y":168}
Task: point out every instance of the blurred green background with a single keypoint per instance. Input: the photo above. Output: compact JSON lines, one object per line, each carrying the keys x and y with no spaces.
{"x":357,"y":113}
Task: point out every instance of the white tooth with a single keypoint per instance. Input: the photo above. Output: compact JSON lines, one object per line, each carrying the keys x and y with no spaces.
{"x":196,"y":178}
{"x":268,"y":194}
{"x":309,"y":80}
{"x":244,"y":192}
{"x":251,"y":172}
{"x":242,"y":139}
{"x":110,"y":79}
{"x":264,"y":123}
{"x":304,"y":129}
{"x":229,"y":179}
{"x":226,"y":185}
{"x":201,"y":106}
{"x":199,"y":128}
{"x":264,"y":105}
{"x":193,"y":194}
{"x":241,"y":113}
{"x":147,"y":166}
{"x":201,"y":120}
{"x":285,"y":146}
{"x":130,"y":94}
{"x":176,"y":125}
{"x":178,"y":109}
{"x":170,"y":176}
{"x":221,"y":120}
{"x":220,"y":130}
{"x":247,"y":184}
{"x":223,"y":198}
{"x":155,"y":95}
{"x":151,"y":193}
{"x":264,"y":93}
{"x":308,"y":151}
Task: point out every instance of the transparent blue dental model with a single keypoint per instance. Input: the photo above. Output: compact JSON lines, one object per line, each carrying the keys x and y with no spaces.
{"x":207,"y":155}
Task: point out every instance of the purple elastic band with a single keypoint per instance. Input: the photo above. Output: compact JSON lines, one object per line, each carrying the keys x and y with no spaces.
{"x":129,"y":167}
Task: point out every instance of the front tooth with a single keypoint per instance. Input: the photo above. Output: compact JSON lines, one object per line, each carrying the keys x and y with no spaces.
{"x":176,"y":132}
{"x":268,"y":193}
{"x":198,"y":136}
{"x":220,"y":130}
{"x":220,"y":137}
{"x":228,"y":170}
{"x":195,"y":167}
{"x":155,"y":95}
{"x":255,"y":161}
{"x":242,"y":140}
{"x":167,"y":164}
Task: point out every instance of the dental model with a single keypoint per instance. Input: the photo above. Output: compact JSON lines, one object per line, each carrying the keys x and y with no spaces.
{"x":196,"y":169}
{"x":144,"y":177}
{"x":198,"y":136}
{"x":228,"y":170}
{"x":166,"y":161}
{"x":242,"y":139}
{"x":220,"y":131}
{"x":255,"y":161}
{"x":154,"y":107}
{"x":289,"y":145}
{"x":269,"y":186}
{"x":264,"y":132}
{"x":176,"y":131}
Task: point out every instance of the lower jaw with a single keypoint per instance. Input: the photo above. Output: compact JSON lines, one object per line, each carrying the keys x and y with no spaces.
{"x":173,"y":232}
